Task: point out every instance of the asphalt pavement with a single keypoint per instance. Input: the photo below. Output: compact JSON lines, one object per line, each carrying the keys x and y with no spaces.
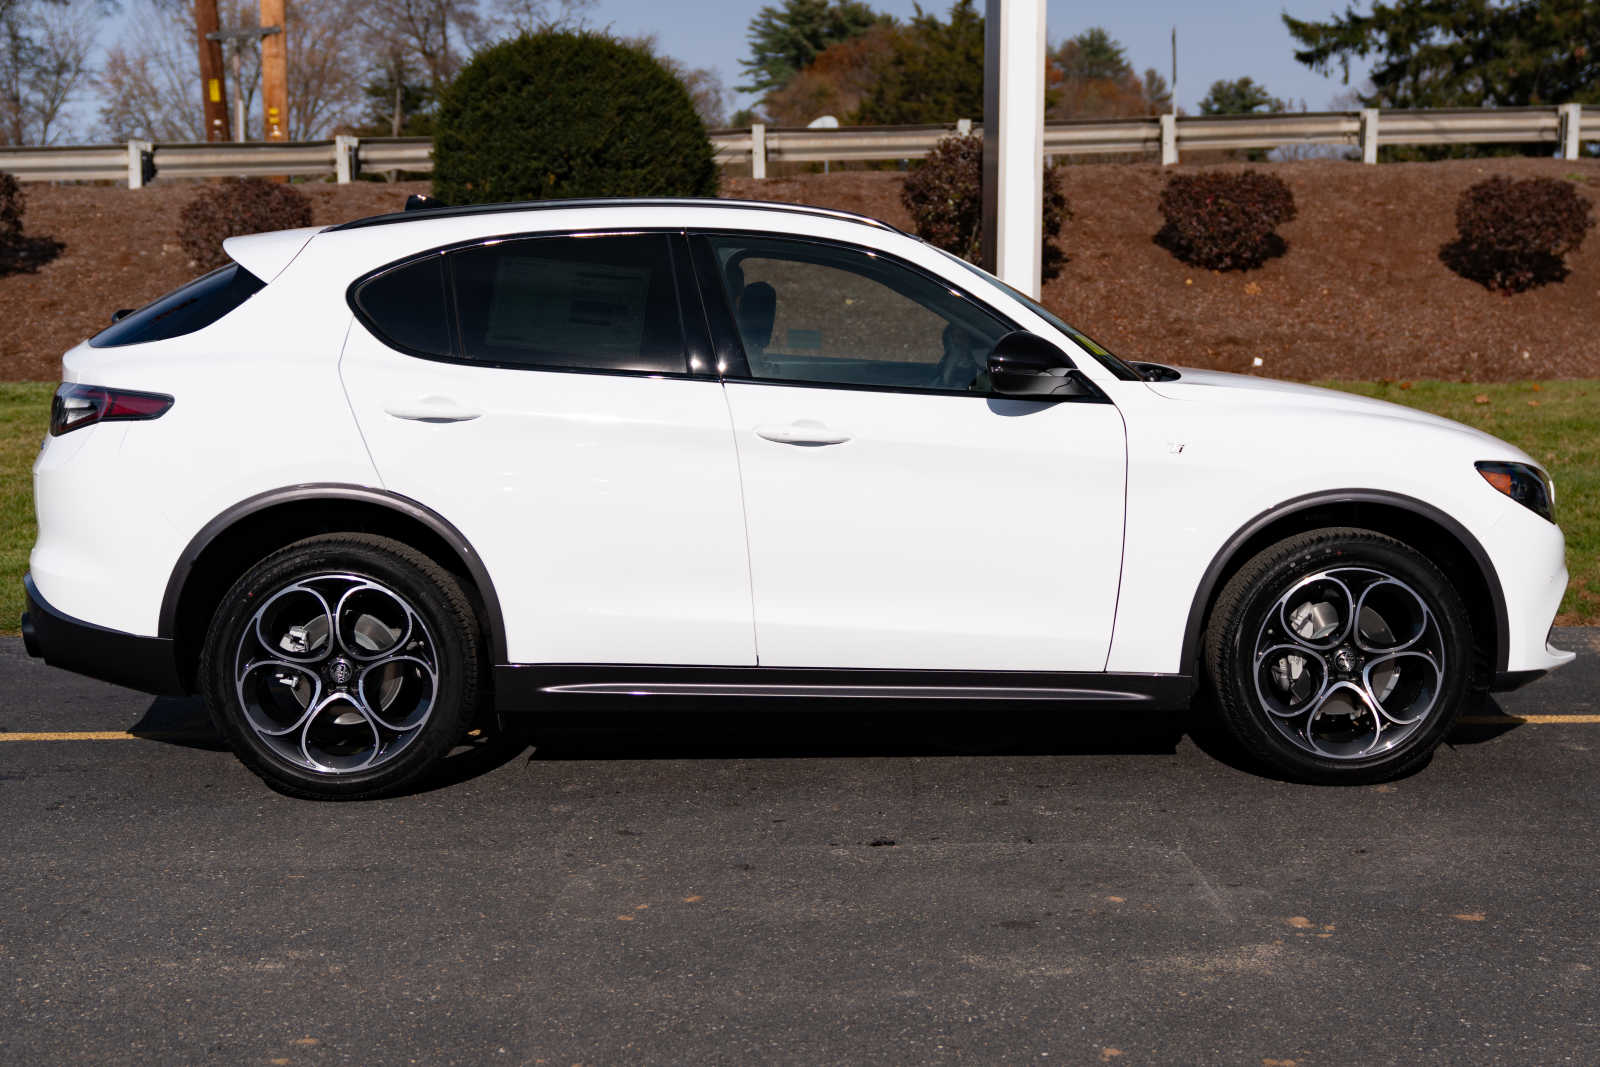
{"x":760,"y":885}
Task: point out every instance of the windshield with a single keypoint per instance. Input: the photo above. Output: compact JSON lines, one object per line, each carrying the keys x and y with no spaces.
{"x":1111,"y":363}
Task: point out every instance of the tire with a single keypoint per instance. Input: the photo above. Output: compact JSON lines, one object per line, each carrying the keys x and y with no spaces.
{"x":1318,"y":699}
{"x":342,"y":667}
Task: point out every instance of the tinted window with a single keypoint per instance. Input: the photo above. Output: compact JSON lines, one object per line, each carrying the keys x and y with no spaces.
{"x":406,"y":307}
{"x":1110,"y":362}
{"x":814,"y":312}
{"x":598,"y":303}
{"x":193,"y":307}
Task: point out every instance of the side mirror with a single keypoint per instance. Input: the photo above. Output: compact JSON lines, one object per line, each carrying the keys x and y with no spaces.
{"x":1026,"y":365}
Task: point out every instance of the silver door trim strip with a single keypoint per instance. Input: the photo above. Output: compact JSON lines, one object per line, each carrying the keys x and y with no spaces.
{"x":879,"y":692}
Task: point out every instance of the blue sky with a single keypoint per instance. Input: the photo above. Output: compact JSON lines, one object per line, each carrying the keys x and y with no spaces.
{"x":1231,"y":40}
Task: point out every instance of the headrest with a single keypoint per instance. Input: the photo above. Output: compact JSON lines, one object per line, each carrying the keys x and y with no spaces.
{"x":758,"y":309}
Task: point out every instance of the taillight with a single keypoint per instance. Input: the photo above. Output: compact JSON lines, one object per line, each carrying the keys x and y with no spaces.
{"x":77,"y":406}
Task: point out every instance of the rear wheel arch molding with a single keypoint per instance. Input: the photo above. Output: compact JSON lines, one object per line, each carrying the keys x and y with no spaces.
{"x":401,"y":509}
{"x":1355,"y":507}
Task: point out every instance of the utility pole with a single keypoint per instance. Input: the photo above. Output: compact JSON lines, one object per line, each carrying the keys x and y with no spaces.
{"x":1013,"y":141}
{"x":274,"y":73}
{"x":239,"y":37}
{"x":213,"y":88}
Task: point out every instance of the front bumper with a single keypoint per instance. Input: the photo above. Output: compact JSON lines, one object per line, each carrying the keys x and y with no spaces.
{"x":149,"y":664}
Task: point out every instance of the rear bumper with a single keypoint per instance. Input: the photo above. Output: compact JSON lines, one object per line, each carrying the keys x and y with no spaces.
{"x":145,"y":663}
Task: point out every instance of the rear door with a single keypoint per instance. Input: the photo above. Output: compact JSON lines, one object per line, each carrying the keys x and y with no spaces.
{"x":900,"y":514}
{"x":550,"y":413}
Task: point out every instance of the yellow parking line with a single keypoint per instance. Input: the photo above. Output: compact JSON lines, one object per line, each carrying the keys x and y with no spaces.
{"x":1532,"y":720}
{"x":77,"y":735}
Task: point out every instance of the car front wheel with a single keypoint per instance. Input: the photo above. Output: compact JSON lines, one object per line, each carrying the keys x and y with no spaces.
{"x":342,"y":666}
{"x":1340,"y":656}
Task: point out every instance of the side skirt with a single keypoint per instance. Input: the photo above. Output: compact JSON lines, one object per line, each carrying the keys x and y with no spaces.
{"x":526,"y":686}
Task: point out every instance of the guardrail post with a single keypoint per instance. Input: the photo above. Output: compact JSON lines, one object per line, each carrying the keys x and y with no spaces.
{"x":1169,"y":139}
{"x":1369,"y":135}
{"x":344,"y":157}
{"x":758,"y":151}
{"x":964,"y":127}
{"x":1571,"y":129}
{"x":141,"y":163}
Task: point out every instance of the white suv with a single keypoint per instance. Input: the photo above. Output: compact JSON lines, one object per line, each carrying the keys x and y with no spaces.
{"x":367,"y":480}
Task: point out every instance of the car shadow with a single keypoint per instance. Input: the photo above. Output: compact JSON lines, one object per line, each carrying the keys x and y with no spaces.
{"x":625,"y":730}
{"x":1483,"y":719}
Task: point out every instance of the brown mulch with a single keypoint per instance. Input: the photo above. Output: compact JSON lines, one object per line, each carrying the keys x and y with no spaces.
{"x":1360,"y":293}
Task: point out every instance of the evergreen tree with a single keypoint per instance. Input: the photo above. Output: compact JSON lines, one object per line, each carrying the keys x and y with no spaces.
{"x":1241,"y":96}
{"x":784,"y":40}
{"x":935,"y":73}
{"x":1462,"y":53}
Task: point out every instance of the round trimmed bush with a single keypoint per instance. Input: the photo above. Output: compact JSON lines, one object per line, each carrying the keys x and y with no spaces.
{"x":233,"y":207}
{"x":557,"y":115}
{"x":1514,"y":235}
{"x":944,"y":196}
{"x":1223,"y":221}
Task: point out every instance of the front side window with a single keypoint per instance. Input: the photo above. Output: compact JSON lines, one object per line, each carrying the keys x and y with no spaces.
{"x":806,"y":311}
{"x":593,"y":303}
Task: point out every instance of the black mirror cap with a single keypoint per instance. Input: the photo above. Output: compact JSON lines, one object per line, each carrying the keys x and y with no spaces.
{"x":1026,"y":365}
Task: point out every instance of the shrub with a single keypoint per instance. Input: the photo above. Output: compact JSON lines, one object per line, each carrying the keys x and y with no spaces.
{"x":561,"y":114}
{"x":1514,"y":235}
{"x":944,"y":196}
{"x":234,"y":207}
{"x":11,"y":204}
{"x":1223,"y":221}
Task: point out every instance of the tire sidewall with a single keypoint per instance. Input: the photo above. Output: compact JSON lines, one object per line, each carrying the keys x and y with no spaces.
{"x":426,"y":594}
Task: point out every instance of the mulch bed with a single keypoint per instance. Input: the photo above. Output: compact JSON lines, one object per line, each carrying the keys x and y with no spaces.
{"x":1360,"y":293}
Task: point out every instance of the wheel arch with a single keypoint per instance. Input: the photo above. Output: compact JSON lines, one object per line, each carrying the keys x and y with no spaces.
{"x":1419,"y":524}
{"x":255,"y":527}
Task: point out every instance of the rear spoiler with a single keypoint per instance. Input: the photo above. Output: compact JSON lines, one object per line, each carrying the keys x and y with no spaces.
{"x":266,"y":254}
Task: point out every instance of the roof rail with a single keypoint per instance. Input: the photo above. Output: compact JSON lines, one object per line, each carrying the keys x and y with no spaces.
{"x":429,"y":211}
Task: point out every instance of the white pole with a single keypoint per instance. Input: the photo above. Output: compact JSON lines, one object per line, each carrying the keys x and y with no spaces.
{"x":1013,"y":140}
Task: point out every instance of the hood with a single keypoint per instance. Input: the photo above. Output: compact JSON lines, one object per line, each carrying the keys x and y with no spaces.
{"x":1247,"y":394}
{"x":1246,"y":391}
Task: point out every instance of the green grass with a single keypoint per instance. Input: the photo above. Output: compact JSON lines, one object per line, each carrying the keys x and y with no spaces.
{"x":24,"y":416}
{"x":1558,"y":423}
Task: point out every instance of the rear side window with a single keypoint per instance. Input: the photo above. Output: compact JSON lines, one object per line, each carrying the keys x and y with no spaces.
{"x":193,"y":307}
{"x":405,"y":306}
{"x":604,"y":303}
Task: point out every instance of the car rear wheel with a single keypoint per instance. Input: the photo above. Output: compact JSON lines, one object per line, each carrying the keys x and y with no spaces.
{"x":1340,"y":656}
{"x":342,"y":667}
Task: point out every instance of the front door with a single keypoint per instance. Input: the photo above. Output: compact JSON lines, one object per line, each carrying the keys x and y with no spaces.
{"x":899,"y":514}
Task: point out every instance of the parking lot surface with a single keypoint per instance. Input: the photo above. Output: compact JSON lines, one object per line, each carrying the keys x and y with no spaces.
{"x":760,"y":884}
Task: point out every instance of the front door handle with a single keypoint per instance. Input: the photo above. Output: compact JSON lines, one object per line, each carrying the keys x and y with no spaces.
{"x":438,"y":409}
{"x":802,"y":432}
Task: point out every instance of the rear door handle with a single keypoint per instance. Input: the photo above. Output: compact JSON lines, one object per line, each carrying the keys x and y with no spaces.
{"x":802,"y":432}
{"x":439,"y":409}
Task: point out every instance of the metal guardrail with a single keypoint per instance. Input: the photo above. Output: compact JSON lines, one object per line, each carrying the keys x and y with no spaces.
{"x":344,"y":157}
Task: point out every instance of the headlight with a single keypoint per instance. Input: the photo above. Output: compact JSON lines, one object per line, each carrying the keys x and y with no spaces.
{"x":1524,"y":483}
